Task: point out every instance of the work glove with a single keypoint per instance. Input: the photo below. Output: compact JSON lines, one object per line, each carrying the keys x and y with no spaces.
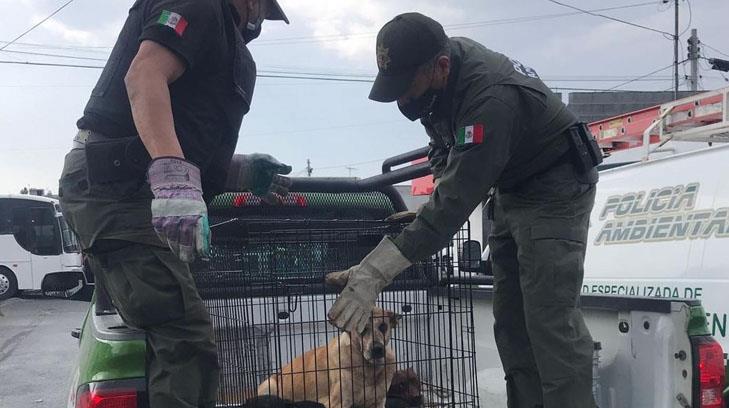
{"x":179,"y":214}
{"x":261,"y":174}
{"x":364,"y":282}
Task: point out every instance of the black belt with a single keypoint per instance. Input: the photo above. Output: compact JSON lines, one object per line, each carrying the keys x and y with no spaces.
{"x":84,"y":136}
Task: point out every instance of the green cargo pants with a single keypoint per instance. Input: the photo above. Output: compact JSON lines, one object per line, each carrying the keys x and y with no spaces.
{"x":151,"y":288}
{"x":538,"y":249}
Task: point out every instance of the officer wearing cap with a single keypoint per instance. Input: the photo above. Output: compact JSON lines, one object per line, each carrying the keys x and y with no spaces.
{"x":155,"y":142}
{"x":493,"y":124}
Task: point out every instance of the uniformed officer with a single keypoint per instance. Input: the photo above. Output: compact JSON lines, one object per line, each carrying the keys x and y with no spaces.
{"x":155,"y":142}
{"x":493,"y":123}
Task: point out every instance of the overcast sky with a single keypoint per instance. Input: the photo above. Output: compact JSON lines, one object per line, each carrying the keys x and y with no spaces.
{"x":332,"y":123}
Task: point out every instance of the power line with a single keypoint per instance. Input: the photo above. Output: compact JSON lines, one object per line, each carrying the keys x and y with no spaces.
{"x":36,"y":25}
{"x":43,"y":54}
{"x":357,"y":125}
{"x":49,"y":64}
{"x":340,"y":166}
{"x":85,"y":48}
{"x":642,"y":76}
{"x":324,"y":77}
{"x":344,"y":37}
{"x":457,"y":26}
{"x":610,"y":18}
{"x":713,"y":49}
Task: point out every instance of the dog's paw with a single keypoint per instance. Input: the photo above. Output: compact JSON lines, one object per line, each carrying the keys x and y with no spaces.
{"x":337,"y":279}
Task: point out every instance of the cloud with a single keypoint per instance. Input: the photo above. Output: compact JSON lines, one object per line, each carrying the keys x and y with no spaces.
{"x":68,"y":34}
{"x":349,"y":27}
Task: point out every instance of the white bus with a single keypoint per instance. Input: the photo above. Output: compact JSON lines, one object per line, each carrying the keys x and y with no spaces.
{"x":38,"y":251}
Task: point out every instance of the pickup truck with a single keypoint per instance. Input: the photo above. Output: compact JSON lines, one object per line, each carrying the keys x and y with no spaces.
{"x":650,"y":353}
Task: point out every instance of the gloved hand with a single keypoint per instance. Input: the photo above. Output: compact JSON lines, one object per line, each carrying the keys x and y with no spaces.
{"x":364,"y":283}
{"x":260,"y":174}
{"x":402,"y":216}
{"x":179,"y":214}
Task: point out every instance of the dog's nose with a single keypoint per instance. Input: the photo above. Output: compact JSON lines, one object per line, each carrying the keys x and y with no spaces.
{"x":378,"y":351}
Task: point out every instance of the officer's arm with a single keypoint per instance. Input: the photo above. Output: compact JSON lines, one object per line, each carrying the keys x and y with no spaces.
{"x":176,"y":37}
{"x":437,"y":156}
{"x":471,"y":171}
{"x":147,"y":82}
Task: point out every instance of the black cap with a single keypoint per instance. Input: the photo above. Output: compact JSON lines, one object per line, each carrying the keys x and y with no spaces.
{"x":275,"y":12}
{"x":404,"y":44}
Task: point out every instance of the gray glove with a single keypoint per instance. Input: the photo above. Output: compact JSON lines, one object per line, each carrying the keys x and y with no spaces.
{"x":179,"y":214}
{"x":365,"y":281}
{"x":261,"y":174}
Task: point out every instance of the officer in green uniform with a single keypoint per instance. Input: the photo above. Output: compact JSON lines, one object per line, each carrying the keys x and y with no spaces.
{"x":155,"y":142}
{"x":493,"y":123}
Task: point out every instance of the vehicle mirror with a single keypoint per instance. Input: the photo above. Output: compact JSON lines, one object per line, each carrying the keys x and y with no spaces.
{"x":470,"y":259}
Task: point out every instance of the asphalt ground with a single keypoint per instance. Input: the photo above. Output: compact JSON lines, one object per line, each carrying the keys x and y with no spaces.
{"x":37,"y":352}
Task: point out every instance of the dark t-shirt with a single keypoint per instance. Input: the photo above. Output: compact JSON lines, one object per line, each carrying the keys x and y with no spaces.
{"x":208,"y":100}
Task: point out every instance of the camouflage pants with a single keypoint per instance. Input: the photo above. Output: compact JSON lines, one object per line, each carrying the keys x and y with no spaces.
{"x":151,"y":289}
{"x":538,"y":248}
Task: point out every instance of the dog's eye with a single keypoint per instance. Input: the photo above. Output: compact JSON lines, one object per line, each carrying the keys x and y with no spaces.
{"x":383,"y":327}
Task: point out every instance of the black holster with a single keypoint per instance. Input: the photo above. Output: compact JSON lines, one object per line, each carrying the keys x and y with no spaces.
{"x":116,"y":159}
{"x":585,"y":151}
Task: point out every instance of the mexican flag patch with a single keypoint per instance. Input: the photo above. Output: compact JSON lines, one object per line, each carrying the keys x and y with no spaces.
{"x":173,"y":21}
{"x":470,"y":135}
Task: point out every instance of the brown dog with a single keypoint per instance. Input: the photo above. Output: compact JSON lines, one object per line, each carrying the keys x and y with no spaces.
{"x":352,"y":370}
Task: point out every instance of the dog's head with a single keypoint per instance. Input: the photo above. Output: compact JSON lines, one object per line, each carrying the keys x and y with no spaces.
{"x":376,"y":335}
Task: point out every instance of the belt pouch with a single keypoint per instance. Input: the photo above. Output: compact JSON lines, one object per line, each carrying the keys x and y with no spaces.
{"x":113,"y":160}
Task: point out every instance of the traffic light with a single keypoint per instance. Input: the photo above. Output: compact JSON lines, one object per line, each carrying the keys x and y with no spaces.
{"x":719,"y":64}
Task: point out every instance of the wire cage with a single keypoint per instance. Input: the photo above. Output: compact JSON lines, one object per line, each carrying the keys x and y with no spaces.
{"x":264,"y":287}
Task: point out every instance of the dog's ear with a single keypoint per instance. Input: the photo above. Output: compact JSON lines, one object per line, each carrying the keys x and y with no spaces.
{"x":395,"y":319}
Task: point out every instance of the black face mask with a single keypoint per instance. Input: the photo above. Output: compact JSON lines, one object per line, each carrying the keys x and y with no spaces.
{"x":421,"y":106}
{"x":252,"y":30}
{"x":249,"y":34}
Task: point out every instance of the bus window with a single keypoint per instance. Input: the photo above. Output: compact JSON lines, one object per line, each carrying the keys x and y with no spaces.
{"x":70,"y":243}
{"x":36,"y":230}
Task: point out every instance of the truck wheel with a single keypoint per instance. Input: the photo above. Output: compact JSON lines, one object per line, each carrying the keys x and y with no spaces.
{"x":8,"y":284}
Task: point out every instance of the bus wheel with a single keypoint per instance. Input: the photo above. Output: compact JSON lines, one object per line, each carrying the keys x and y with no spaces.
{"x":8,"y":284}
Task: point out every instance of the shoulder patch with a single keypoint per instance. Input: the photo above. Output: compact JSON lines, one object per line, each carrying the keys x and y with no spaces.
{"x":173,"y":21}
{"x":472,"y":134}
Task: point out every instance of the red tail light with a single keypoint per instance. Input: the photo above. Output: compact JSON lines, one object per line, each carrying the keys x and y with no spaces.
{"x":111,"y":394}
{"x":709,"y":372}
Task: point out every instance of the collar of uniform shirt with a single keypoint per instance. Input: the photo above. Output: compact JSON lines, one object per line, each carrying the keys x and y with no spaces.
{"x":235,"y":14}
{"x":443,"y":107}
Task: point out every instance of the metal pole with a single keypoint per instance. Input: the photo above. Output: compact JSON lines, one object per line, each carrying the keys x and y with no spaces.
{"x":675,"y":53}
{"x":694,"y":58}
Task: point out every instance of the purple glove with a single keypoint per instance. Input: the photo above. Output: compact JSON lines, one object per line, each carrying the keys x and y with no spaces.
{"x":179,"y":214}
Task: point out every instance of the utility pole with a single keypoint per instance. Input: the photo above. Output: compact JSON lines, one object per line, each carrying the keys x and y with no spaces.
{"x":675,"y":52}
{"x":350,"y":170}
{"x":309,"y":170}
{"x":693,"y":56}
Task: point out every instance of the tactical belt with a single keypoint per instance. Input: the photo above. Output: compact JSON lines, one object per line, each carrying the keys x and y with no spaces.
{"x":111,"y":159}
{"x":583,"y":154}
{"x":84,"y":136}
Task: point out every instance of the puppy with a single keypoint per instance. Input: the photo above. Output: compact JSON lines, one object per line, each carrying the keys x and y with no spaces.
{"x":405,"y":390}
{"x":352,"y":370}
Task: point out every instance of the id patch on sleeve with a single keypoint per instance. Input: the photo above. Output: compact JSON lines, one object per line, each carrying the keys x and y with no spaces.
{"x":468,"y":135}
{"x":173,"y":21}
